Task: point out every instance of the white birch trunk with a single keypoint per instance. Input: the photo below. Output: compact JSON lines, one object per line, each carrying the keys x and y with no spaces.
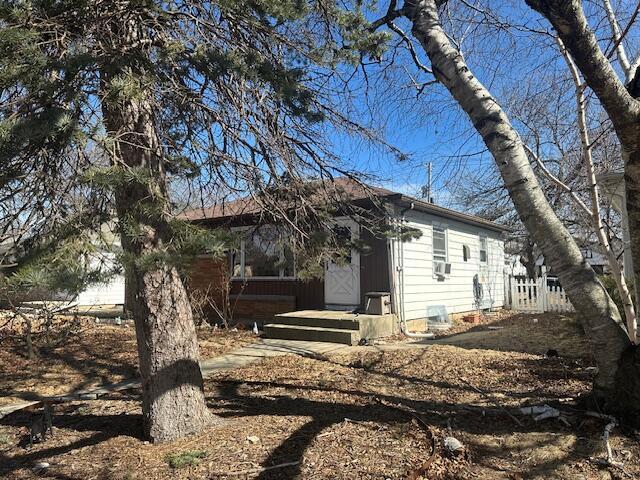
{"x":587,"y":147}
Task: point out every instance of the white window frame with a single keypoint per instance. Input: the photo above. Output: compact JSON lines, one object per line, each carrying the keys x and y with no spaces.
{"x":242,"y":250}
{"x":445,"y":228}
{"x":486,"y":243}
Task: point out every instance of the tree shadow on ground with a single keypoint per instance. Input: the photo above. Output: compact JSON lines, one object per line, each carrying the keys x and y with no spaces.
{"x":525,"y":333}
{"x":355,"y":403}
{"x":80,"y":358}
{"x":106,"y":426}
{"x":541,"y":368}
{"x":103,"y":427}
{"x":367,"y":409}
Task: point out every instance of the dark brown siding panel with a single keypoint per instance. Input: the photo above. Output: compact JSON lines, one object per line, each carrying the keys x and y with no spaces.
{"x":374,"y":267}
{"x":260,"y":308}
{"x":308,"y":295}
{"x":207,"y":275}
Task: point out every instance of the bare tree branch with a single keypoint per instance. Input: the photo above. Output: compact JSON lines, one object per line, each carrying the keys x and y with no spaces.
{"x":567,"y":17}
{"x":617,"y":37}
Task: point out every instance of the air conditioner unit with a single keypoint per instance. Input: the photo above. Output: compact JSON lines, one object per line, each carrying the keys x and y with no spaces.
{"x":441,"y":268}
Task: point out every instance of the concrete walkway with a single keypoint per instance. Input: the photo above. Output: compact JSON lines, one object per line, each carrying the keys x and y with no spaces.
{"x":241,"y":357}
{"x":238,"y":358}
{"x":268,"y":347}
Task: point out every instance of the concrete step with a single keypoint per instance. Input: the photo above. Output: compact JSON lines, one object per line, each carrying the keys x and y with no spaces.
{"x":311,"y":333}
{"x":316,"y":321}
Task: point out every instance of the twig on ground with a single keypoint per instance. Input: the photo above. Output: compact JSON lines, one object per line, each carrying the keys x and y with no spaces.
{"x":256,"y":470}
{"x":422,"y":470}
{"x":492,"y":400}
{"x":611,"y":424}
{"x":358,"y":422}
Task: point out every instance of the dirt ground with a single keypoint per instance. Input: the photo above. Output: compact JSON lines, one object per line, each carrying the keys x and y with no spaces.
{"x":519,"y":332}
{"x":91,"y":355}
{"x":348,"y":416}
{"x":513,"y":332}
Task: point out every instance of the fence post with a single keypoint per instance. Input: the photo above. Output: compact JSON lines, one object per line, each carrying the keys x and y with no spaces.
{"x":542,"y":291}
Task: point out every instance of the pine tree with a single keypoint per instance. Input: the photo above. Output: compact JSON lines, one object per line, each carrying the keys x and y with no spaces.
{"x":130,"y":102}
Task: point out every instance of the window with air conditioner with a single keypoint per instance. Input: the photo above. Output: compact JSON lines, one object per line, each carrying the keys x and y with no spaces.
{"x":440,"y":254}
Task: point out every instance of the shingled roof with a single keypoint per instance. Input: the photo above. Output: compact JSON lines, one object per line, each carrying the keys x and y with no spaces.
{"x":348,"y":189}
{"x":344,"y":187}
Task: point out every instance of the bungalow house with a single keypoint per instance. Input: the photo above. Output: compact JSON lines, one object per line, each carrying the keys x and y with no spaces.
{"x":455,"y":266}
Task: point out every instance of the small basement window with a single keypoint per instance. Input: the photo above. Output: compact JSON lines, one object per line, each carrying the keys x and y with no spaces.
{"x":466,"y":253}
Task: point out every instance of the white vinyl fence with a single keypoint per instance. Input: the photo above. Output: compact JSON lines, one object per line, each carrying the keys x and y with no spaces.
{"x":538,"y":295}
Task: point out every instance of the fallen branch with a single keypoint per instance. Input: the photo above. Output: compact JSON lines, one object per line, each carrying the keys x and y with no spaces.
{"x":421,"y":471}
{"x":611,"y":424}
{"x":255,"y":470}
{"x":492,"y":400}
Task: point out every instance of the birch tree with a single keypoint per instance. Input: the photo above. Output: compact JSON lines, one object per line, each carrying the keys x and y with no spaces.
{"x":596,"y":311}
{"x":594,"y":212}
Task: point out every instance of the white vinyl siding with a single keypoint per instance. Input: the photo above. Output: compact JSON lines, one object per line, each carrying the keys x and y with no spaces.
{"x":421,"y":288}
{"x":111,"y":292}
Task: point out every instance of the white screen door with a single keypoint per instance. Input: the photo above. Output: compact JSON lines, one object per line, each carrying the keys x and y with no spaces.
{"x":342,"y":281}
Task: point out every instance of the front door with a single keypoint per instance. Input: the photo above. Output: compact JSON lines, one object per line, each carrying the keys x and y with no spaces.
{"x":342,"y":281}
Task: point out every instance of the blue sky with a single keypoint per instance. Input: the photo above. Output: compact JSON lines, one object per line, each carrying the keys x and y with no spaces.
{"x":432,"y":128}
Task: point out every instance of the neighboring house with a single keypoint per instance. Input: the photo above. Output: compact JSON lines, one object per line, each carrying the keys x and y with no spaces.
{"x":595,"y":259}
{"x":457,"y":263}
{"x":112,"y":290}
{"x":109,"y":292}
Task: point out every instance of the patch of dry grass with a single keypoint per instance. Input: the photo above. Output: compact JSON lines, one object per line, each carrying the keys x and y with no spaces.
{"x":93,"y":355}
{"x":528,"y":333}
{"x":333,"y":418}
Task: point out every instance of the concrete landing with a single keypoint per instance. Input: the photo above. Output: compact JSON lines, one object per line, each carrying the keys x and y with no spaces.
{"x":330,"y":326}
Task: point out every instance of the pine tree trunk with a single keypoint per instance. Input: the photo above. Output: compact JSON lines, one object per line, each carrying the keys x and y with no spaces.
{"x":596,"y":311}
{"x":173,"y":397}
